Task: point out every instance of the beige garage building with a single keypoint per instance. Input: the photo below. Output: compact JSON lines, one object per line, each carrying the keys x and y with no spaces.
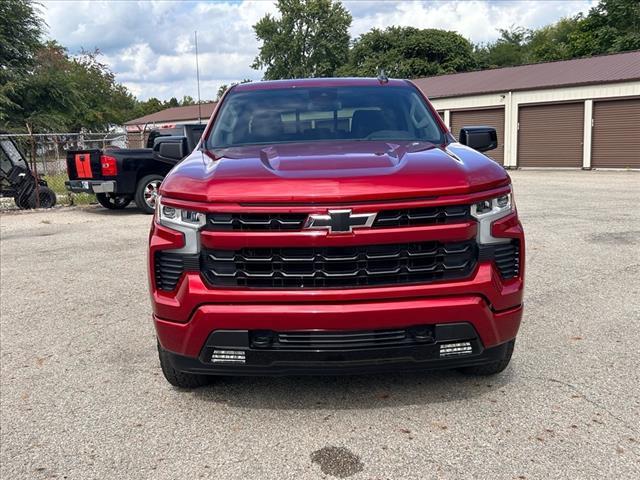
{"x":582,"y":113}
{"x":138,"y":129}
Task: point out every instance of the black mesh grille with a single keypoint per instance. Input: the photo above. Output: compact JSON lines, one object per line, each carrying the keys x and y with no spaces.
{"x":170,"y":266}
{"x":339,"y":266}
{"x":295,"y":221}
{"x":323,"y":340}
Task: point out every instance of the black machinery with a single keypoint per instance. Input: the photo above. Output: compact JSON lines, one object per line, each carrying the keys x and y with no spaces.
{"x":18,"y":181}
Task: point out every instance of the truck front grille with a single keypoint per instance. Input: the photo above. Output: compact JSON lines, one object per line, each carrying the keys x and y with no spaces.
{"x":339,"y":266}
{"x":255,"y":221}
{"x":341,"y":339}
{"x":422,"y":216}
{"x":295,"y":221}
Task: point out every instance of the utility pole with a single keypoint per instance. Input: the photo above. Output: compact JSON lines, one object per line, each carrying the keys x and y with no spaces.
{"x":198,"y":78}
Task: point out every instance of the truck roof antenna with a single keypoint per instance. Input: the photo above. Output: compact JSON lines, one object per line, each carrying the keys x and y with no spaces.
{"x":198,"y":79}
{"x":382,"y":77}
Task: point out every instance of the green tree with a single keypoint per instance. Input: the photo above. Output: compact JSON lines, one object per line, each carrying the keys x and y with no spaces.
{"x":20,"y":39}
{"x":552,"y":42}
{"x":310,"y":39}
{"x":48,"y":98}
{"x":104,"y":101}
{"x":224,"y":87}
{"x":173,"y":102}
{"x":408,"y":52}
{"x":510,"y":49}
{"x":611,"y":26}
{"x":147,"y":107}
{"x":221,"y":89}
{"x":187,"y":100}
{"x":67,"y":94}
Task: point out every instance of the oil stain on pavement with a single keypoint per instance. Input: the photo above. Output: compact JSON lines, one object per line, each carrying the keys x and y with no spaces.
{"x":337,"y":461}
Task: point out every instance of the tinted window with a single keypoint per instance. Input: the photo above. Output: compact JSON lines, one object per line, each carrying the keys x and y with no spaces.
{"x":312,"y":114}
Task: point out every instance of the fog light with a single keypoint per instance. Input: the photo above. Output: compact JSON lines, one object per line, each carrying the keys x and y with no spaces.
{"x":228,"y":356}
{"x":458,"y":348}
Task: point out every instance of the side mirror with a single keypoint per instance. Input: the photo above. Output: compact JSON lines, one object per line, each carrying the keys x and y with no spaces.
{"x":479,"y":138}
{"x":170,"y":149}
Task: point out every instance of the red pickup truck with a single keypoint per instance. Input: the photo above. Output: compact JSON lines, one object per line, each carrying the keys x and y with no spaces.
{"x":334,"y":226}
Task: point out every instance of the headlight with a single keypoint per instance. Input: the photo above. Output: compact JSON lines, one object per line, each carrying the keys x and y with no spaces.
{"x":488,"y":211}
{"x":493,"y":206}
{"x":172,"y":217}
{"x":186,"y":221}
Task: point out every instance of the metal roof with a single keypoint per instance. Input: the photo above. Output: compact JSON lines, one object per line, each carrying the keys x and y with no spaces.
{"x":175,"y":114}
{"x":619,"y":67}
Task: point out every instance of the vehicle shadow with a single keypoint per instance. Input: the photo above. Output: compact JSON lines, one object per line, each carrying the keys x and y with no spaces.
{"x":350,"y":392}
{"x":99,"y":210}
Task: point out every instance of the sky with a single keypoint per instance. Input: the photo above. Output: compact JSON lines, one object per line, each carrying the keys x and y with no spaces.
{"x":149,"y":45}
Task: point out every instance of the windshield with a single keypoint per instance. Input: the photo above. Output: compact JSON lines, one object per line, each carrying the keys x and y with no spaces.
{"x":259,"y":117}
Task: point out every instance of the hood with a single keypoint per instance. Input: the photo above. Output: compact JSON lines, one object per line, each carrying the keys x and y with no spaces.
{"x":344,"y":171}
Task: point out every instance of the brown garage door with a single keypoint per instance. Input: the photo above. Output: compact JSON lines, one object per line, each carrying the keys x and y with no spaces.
{"x":616,"y":134}
{"x":492,"y":117}
{"x":551,"y":135}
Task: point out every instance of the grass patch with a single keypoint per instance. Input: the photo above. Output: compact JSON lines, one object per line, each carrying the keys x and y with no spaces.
{"x":56,"y":183}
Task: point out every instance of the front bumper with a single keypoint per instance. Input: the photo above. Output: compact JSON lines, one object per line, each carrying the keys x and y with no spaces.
{"x":191,"y":345}
{"x":274,"y":361}
{"x":91,"y":186}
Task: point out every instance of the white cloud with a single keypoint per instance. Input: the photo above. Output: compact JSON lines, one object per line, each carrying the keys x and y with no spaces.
{"x":477,"y":20}
{"x":150,"y":45}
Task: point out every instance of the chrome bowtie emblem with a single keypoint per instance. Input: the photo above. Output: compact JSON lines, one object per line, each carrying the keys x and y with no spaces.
{"x":339,"y":221}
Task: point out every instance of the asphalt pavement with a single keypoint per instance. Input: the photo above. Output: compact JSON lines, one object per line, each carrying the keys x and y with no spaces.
{"x":82,"y":395}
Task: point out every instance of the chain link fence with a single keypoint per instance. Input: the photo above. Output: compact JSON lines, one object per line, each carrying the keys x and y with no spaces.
{"x":47,"y":153}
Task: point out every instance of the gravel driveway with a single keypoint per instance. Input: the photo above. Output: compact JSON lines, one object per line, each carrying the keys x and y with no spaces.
{"x":82,"y":396}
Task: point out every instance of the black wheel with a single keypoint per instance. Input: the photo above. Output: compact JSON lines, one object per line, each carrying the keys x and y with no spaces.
{"x":113,"y":202}
{"x":177,"y":378}
{"x":22,"y":202}
{"x":493,"y":367}
{"x":47,"y":197}
{"x":147,"y":192}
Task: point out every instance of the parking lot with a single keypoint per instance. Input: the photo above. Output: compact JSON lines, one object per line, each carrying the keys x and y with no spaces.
{"x":82,"y":395}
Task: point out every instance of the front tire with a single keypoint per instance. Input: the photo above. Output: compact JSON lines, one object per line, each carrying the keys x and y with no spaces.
{"x":147,"y":192}
{"x":22,"y":202}
{"x":47,"y":197}
{"x":494,"y":367}
{"x":177,"y":378}
{"x":113,"y":202}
